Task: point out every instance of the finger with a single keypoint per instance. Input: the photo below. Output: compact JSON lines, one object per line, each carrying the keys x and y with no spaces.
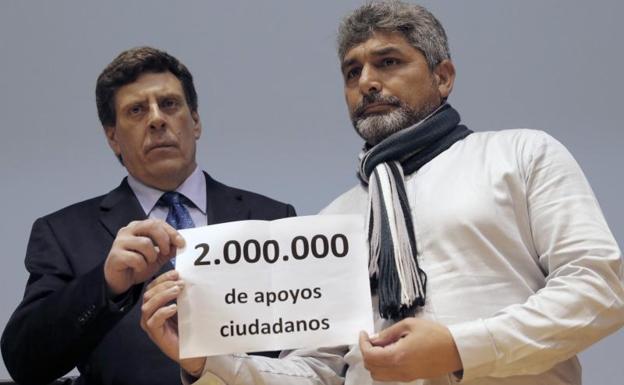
{"x":160,"y":300}
{"x":172,"y":235}
{"x":157,"y":232}
{"x":176,"y":238}
{"x":160,"y":232}
{"x":132,"y":260}
{"x":377,"y":357}
{"x":171,"y":275}
{"x":138,"y":235}
{"x":365,"y":344}
{"x":390,"y":335}
{"x":164,"y":286}
{"x":157,"y":320}
{"x":142,"y":245}
{"x":366,"y":348}
{"x":162,"y":294}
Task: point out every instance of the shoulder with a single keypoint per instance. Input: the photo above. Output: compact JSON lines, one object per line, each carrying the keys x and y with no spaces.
{"x":521,"y":145}
{"x":508,"y":138}
{"x":261,"y":204}
{"x":90,"y":209}
{"x":84,"y":209}
{"x":217,"y":187}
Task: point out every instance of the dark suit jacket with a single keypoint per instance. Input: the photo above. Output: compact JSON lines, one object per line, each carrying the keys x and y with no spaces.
{"x":65,"y":319}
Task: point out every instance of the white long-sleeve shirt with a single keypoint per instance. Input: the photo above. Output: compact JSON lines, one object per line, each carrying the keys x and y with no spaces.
{"x":521,"y":267}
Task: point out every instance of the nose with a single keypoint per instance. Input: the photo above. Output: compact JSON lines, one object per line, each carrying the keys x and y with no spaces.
{"x":156,"y":119}
{"x":369,"y":81}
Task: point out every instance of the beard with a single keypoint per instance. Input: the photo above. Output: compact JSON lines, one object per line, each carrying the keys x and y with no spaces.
{"x":374,"y":128}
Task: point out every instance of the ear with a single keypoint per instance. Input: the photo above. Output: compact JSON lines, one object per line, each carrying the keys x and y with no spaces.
{"x":445,"y":77}
{"x":111,"y":137}
{"x":197,"y":128}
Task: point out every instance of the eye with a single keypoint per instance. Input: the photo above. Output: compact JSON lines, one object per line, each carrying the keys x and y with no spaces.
{"x":169,"y":104}
{"x":135,"y":110}
{"x":352,"y":73}
{"x":389,"y":61}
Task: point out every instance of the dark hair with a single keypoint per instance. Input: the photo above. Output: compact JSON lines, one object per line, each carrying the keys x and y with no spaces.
{"x":419,"y":27}
{"x":127,"y":67}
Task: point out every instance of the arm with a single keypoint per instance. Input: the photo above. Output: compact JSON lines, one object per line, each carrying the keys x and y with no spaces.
{"x":63,"y":316}
{"x":582,"y":301}
{"x":301,"y":367}
{"x":583,"y":298}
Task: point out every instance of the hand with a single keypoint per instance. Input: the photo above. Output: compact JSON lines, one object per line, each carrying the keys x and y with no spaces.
{"x":160,"y":322}
{"x":138,"y":252}
{"x":410,"y":349}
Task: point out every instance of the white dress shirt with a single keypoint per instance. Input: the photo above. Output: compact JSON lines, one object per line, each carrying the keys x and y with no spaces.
{"x":521,"y":267}
{"x":193,"y":188}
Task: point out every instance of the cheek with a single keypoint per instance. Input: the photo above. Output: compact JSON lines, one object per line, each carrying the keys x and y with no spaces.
{"x":131,"y":146}
{"x":352,"y":100}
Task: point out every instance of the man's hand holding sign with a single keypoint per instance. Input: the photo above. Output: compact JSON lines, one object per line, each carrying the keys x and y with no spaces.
{"x":159,"y":318}
{"x":258,"y":285}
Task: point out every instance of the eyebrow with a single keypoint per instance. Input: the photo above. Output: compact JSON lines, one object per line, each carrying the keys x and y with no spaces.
{"x":173,"y":95}
{"x":376,"y":52}
{"x":386,"y":50}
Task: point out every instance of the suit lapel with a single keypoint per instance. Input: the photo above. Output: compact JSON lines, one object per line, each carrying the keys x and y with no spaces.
{"x":119,"y":208}
{"x":224,"y":204}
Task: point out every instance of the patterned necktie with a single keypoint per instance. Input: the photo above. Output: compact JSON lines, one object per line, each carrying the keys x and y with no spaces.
{"x":178,"y":216}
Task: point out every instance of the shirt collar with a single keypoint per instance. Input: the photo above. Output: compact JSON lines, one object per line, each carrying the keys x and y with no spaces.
{"x":194,"y":188}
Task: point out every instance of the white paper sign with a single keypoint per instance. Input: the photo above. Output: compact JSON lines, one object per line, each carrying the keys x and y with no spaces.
{"x":273,"y":285}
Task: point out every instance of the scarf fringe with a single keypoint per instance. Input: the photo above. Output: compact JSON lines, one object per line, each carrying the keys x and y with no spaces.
{"x":396,"y":263}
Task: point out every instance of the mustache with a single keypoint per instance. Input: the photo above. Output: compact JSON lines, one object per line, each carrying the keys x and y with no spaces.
{"x":374,"y":98}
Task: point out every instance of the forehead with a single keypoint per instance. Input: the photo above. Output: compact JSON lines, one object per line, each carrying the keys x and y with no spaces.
{"x":380,"y":43}
{"x":149,"y":84}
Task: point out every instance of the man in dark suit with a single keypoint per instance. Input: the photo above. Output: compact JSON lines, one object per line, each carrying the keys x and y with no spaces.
{"x":88,"y":262}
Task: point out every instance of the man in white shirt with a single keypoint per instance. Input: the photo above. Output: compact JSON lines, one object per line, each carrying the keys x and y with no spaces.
{"x":491,"y":260}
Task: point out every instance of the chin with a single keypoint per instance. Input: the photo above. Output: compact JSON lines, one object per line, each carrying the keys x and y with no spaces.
{"x":170,"y":173}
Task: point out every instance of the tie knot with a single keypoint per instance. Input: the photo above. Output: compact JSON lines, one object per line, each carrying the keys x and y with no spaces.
{"x":171,"y":198}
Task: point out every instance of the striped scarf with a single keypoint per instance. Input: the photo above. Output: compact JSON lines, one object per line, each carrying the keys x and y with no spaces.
{"x":393,"y":262}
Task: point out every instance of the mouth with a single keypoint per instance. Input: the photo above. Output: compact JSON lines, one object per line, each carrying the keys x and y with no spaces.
{"x":377,"y":108}
{"x":161,"y":146}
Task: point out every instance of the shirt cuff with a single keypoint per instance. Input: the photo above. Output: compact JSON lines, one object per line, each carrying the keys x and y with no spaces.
{"x":476,"y":349}
{"x":124,"y":302}
{"x":219,"y":370}
{"x":205,"y":379}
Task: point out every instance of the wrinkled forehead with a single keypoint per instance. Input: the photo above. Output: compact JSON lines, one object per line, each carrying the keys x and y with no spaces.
{"x":378,"y":43}
{"x":149,"y":84}
{"x":365,"y":34}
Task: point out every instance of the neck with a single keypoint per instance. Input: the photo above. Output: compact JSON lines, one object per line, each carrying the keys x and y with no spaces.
{"x":170,"y":181}
{"x":416,"y":144}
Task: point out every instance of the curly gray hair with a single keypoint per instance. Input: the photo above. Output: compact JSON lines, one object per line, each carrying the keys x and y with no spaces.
{"x":419,"y":27}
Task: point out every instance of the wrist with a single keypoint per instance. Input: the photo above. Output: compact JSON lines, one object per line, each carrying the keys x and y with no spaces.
{"x":455,"y":362}
{"x":114,"y":286}
{"x":193,"y":366}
